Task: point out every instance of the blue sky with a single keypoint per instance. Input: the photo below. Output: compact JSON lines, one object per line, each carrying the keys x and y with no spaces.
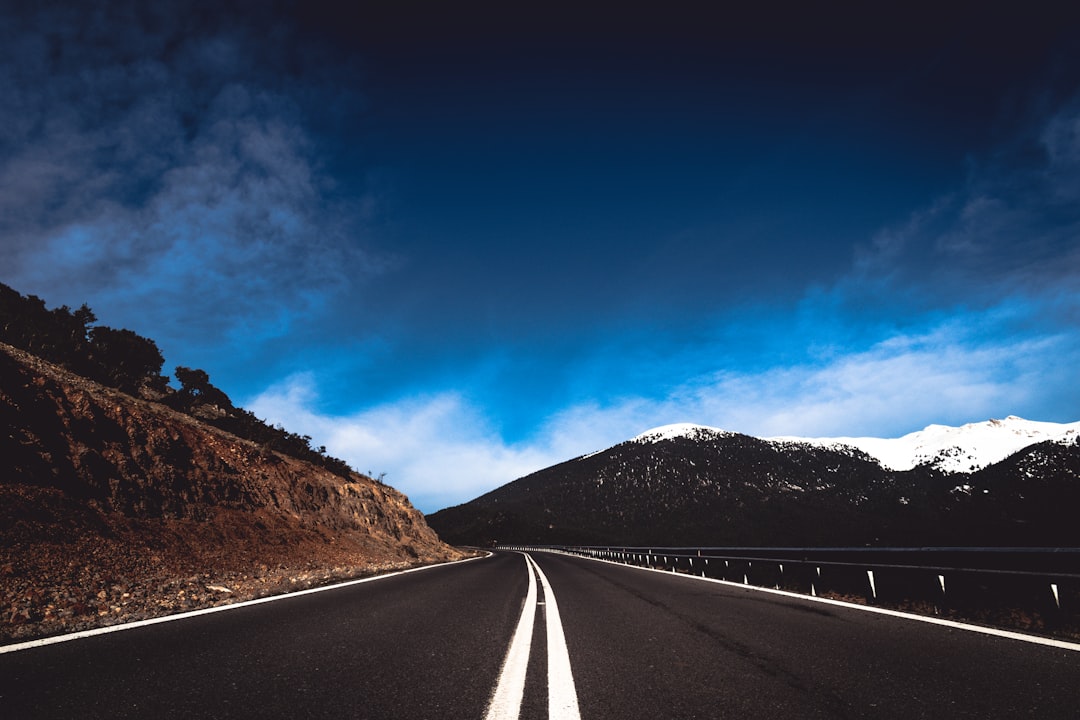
{"x":459,"y":243}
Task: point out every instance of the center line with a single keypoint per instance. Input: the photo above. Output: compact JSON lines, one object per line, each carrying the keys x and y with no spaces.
{"x":506,"y":702}
{"x":510,"y":690}
{"x":562,"y":695}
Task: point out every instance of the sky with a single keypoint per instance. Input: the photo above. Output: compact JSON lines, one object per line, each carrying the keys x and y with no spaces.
{"x":456,"y":243}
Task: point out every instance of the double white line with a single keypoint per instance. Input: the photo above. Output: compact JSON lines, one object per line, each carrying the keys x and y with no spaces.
{"x":562,"y":695}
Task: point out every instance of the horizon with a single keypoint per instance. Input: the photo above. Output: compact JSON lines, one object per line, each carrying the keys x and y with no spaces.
{"x":463,"y":245}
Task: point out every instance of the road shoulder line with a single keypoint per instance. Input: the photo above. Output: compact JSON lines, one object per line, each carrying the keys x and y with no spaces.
{"x":52,"y":640}
{"x":1009,"y":634}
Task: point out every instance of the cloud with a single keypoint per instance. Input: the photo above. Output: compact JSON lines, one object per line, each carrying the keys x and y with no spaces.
{"x":958,"y":370}
{"x":442,"y":450}
{"x":160,"y":168}
{"x":893,"y":388}
{"x":1010,"y":229}
{"x":438,"y":449}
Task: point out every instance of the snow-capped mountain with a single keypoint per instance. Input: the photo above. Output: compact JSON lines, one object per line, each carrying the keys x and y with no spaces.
{"x":952,"y":449}
{"x":958,"y":449}
{"x":678,"y":430}
{"x":696,"y":485}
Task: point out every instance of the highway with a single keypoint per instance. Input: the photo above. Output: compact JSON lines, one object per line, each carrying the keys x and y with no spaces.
{"x":576,"y":638}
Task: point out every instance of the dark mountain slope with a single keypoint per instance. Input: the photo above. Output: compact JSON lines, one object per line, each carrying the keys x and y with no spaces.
{"x":715,"y":489}
{"x":1030,"y":498}
{"x":728,"y":489}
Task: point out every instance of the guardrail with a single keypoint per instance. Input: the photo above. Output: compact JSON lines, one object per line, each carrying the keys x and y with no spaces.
{"x":1034,"y":589}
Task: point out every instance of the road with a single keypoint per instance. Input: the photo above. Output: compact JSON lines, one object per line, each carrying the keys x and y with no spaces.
{"x":595,"y":640}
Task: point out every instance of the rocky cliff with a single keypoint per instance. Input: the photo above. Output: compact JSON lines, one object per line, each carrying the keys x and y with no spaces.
{"x":114,"y":508}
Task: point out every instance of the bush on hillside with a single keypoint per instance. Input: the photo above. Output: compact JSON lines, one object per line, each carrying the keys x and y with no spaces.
{"x":129,"y":362}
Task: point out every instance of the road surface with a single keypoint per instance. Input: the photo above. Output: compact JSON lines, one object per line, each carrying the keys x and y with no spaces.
{"x":575,"y":638}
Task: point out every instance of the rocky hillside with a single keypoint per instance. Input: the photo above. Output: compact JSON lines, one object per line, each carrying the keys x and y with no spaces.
{"x":114,"y":507}
{"x":714,"y":488}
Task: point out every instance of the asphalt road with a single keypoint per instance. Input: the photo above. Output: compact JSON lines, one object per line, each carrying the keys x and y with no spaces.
{"x":432,"y":644}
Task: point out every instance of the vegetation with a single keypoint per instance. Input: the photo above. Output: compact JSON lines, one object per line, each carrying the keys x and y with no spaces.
{"x":129,"y":362}
{"x":118,"y":358}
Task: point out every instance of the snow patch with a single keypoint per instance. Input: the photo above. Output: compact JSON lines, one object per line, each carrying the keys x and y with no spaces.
{"x":966,"y":448}
{"x":679,"y":430}
{"x":953,"y":449}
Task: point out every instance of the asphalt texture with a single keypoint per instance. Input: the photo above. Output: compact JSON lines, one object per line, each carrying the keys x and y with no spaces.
{"x":642,"y":644}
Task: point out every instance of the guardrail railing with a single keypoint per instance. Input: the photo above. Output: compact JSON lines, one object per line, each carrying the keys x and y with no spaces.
{"x":1034,"y":589}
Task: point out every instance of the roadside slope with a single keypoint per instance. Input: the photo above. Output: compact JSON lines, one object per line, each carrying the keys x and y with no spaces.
{"x":116,"y":508}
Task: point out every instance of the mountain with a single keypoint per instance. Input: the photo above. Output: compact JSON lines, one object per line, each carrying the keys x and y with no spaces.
{"x":695,"y":485}
{"x":115,"y":507}
{"x":955,"y":449}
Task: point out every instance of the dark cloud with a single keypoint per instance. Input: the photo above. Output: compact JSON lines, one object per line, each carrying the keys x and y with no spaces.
{"x":1011,"y":229}
{"x":155,"y":160}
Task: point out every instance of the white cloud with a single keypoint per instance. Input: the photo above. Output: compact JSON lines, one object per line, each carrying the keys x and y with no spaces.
{"x":893,"y":388}
{"x":442,"y":450}
{"x":437,"y":449}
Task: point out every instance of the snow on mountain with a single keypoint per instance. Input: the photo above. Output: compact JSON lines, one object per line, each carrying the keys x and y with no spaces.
{"x":954,"y":449}
{"x":668,"y":432}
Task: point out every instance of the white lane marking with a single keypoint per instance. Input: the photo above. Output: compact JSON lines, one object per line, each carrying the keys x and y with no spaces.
{"x":562,"y":694}
{"x":219,"y":608}
{"x":506,"y":700}
{"x":1033,"y":639}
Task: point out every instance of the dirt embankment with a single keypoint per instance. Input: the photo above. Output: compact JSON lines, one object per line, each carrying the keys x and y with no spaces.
{"x":114,"y":508}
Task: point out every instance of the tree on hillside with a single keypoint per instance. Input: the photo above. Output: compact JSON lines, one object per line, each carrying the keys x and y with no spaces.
{"x":119,"y":358}
{"x":124,"y":359}
{"x":26,"y":323}
{"x":80,"y":326}
{"x":196,"y":389}
{"x":127,"y":361}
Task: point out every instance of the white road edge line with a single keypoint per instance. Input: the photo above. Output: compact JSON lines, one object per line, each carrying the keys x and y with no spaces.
{"x":1033,"y":639}
{"x":562,"y":694}
{"x":219,"y":608}
{"x":506,"y":700}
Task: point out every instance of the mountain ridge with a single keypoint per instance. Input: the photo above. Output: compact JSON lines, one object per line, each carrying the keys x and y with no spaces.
{"x":963,"y":448}
{"x":695,"y":485}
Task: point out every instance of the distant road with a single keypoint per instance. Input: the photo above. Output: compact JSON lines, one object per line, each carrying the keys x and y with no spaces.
{"x":628,"y":643}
